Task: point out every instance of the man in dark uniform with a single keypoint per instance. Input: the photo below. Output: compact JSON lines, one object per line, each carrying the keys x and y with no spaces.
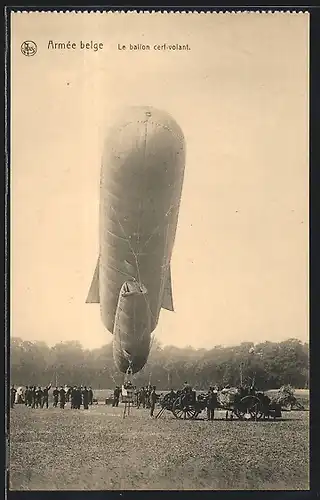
{"x":116,"y":396}
{"x":55,"y":394}
{"x":78,"y":398}
{"x":33,"y":396}
{"x":13,"y":391}
{"x":72,"y":397}
{"x":38,"y":397}
{"x":141,"y":398}
{"x":26,"y":395}
{"x":62,"y":394}
{"x":211,"y":403}
{"x":90,"y":391}
{"x":185,"y":393}
{"x":75,"y":397}
{"x":68,"y":393}
{"x":147,"y":396}
{"x":85,"y":398}
{"x":45,"y":396}
{"x":172,"y":395}
{"x":153,"y":400}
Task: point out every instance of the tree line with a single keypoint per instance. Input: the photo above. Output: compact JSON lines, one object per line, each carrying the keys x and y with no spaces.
{"x":268,"y":365}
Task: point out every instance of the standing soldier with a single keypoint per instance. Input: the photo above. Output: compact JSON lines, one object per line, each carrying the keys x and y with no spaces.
{"x":30,"y":396}
{"x":138,"y":398}
{"x":153,"y":400}
{"x":77,"y":397}
{"x":26,"y":396}
{"x":72,"y":397}
{"x":13,"y":391}
{"x":38,"y":401}
{"x":148,"y":394}
{"x":90,"y":393}
{"x":80,"y":397}
{"x":33,"y":396}
{"x":143,"y":397}
{"x":85,"y":398}
{"x":211,"y":403}
{"x":116,"y":396}
{"x":68,"y":393}
{"x":55,"y":394}
{"x":45,"y":396}
{"x":62,"y":394}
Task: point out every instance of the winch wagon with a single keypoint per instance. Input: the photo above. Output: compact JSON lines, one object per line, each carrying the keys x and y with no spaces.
{"x":239,"y":403}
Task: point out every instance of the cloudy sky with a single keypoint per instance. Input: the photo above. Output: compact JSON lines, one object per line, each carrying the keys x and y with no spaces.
{"x":240,"y":261}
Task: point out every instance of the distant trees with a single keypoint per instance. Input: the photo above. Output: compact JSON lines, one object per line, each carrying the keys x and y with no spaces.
{"x":269,"y":365}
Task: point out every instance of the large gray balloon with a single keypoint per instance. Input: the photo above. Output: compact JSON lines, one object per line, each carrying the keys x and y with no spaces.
{"x":141,"y":182}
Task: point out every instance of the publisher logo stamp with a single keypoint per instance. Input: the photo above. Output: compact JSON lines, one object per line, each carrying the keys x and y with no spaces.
{"x":29,"y":48}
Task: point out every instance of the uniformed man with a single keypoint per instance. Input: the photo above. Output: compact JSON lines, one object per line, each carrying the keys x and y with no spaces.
{"x":85,"y":398}
{"x":153,"y":400}
{"x":78,"y":398}
{"x":62,"y":394}
{"x":72,"y":397}
{"x":13,"y":391}
{"x":116,"y":396}
{"x":172,"y":396}
{"x":55,"y":394}
{"x":185,"y":395}
{"x":148,"y":394}
{"x":33,"y":396}
{"x":90,"y":392}
{"x":211,"y":403}
{"x":136,"y":396}
{"x":45,"y":396}
{"x":38,"y":397}
{"x":68,"y":393}
{"x":75,"y":398}
{"x":26,"y":396}
{"x":142,"y":397}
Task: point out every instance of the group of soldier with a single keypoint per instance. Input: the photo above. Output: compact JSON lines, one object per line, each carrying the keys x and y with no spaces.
{"x":145,"y":397}
{"x":38,"y":397}
{"x":76,"y":395}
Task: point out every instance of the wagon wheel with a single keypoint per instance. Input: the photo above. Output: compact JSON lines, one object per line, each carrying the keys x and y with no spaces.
{"x":249,"y":405}
{"x":184,"y":411}
{"x":298,"y":406}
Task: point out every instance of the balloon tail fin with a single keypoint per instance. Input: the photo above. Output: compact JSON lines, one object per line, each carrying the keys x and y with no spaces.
{"x":167,"y":301}
{"x":94,"y":295}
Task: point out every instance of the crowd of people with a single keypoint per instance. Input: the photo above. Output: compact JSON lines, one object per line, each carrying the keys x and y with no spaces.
{"x":144,"y":397}
{"x":38,"y":397}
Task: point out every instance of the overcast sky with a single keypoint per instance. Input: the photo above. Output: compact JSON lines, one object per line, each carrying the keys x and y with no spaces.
{"x":240,"y":261}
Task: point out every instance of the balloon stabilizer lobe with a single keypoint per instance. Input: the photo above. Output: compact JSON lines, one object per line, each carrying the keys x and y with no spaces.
{"x":140,"y":189}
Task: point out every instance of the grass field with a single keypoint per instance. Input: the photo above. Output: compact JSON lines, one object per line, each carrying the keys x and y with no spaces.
{"x":99,"y":450}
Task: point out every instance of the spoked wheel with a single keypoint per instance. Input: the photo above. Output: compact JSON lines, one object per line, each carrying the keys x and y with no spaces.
{"x":249,"y":408}
{"x":184,"y":411}
{"x":298,"y":406}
